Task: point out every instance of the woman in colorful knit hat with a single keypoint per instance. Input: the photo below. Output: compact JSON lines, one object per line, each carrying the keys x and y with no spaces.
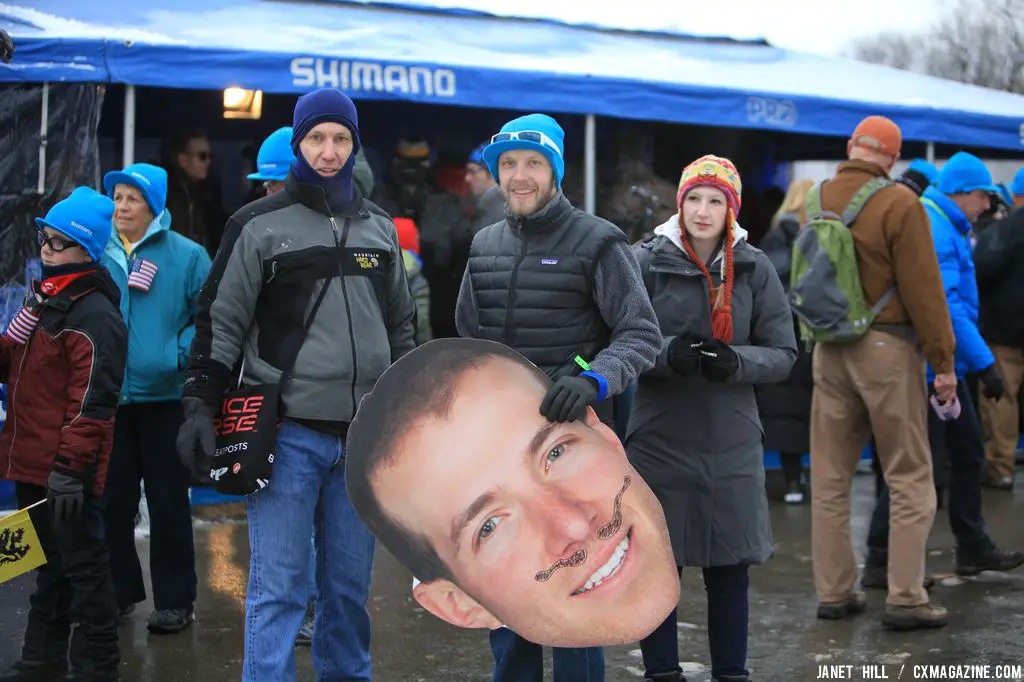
{"x":695,"y":435}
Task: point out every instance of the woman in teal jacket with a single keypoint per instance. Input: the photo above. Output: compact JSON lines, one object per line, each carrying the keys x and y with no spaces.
{"x":159,"y":273}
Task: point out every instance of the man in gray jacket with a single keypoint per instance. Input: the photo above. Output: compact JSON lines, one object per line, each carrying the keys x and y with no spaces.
{"x":562,"y":288}
{"x":277,"y":255}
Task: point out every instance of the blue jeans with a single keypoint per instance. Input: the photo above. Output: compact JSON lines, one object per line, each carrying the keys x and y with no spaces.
{"x":307,"y":491}
{"x":312,"y":569}
{"x":517,"y":660}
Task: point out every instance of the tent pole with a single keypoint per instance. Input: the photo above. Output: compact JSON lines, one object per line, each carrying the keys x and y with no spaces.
{"x":930,"y":154}
{"x":129,"y":126}
{"x":590,"y":164}
{"x":43,"y":127}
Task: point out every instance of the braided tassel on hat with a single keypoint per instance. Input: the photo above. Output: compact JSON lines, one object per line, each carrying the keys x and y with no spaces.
{"x":720,"y":173}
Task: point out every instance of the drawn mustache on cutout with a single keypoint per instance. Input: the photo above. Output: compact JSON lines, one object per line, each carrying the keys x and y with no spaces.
{"x":606,"y":532}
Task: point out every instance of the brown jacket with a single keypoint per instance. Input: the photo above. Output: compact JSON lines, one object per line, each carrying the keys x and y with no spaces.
{"x":894,"y":245}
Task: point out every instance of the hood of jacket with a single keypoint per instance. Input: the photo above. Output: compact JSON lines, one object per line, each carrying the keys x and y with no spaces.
{"x":670,"y":230}
{"x":948,"y":208}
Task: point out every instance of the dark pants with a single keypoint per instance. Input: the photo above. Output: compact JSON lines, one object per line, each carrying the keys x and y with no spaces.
{"x":792,"y":466}
{"x":73,"y":586}
{"x":517,"y":660}
{"x":144,"y":450}
{"x":961,"y":440}
{"x":623,"y":405}
{"x":728,"y":618}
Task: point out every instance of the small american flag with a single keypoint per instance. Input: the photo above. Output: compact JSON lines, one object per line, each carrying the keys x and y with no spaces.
{"x":22,"y":326}
{"x":142,"y":274}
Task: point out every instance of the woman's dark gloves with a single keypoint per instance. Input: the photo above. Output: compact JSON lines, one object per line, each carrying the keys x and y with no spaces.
{"x":692,"y":356}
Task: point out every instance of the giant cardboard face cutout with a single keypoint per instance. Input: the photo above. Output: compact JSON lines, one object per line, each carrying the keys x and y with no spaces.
{"x":506,"y":518}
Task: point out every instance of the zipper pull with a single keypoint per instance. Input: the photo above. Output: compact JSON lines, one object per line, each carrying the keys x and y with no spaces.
{"x":334,"y":226}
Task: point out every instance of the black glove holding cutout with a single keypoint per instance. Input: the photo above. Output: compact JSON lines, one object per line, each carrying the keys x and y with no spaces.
{"x":65,"y":495}
{"x":196,"y":438}
{"x":567,"y":400}
{"x":718,"y":360}
{"x":993,"y":386}
{"x":684,"y":355}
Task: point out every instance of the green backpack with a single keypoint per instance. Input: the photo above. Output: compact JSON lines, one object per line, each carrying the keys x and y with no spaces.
{"x":825,"y":290}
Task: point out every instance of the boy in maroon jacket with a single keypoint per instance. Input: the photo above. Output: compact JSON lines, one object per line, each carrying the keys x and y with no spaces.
{"x":63,"y":359}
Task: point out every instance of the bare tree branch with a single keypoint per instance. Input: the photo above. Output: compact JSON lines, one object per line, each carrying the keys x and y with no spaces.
{"x":976,"y":41}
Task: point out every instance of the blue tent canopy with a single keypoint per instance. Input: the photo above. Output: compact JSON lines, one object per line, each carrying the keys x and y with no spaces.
{"x":378,"y":51}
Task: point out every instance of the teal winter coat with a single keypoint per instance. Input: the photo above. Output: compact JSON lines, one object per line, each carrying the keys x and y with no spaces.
{"x":160,"y":320}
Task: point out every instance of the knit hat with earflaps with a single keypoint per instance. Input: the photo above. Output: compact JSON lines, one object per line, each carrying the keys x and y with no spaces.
{"x":720,"y":173}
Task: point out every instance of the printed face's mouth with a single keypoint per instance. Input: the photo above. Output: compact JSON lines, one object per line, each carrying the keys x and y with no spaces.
{"x":610,"y":568}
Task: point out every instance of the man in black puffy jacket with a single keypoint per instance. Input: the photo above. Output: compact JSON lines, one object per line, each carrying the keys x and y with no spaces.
{"x":999,"y":264}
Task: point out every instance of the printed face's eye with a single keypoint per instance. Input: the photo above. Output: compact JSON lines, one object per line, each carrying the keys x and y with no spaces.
{"x":553,"y":454}
{"x":488,"y":527}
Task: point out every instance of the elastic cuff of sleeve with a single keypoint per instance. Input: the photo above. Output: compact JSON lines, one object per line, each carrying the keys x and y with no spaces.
{"x":64,"y":469}
{"x":602,"y":383}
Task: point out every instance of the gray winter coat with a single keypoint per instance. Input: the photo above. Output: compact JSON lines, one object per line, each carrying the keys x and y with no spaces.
{"x":698,"y":444}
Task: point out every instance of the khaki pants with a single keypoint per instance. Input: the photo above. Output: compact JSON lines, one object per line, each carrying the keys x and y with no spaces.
{"x":876,"y":385}
{"x":1000,"y":421}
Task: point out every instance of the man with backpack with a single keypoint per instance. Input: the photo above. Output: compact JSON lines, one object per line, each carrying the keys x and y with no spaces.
{"x":867,"y":288}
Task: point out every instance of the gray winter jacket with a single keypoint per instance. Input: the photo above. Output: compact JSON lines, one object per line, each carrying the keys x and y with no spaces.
{"x":698,"y":443}
{"x":276,"y":254}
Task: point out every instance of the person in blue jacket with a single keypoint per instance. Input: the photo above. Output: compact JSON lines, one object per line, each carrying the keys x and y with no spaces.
{"x":961,"y":193}
{"x":159,"y":273}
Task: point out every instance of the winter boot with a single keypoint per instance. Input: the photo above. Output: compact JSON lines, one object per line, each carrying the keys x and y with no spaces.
{"x":674,"y":676}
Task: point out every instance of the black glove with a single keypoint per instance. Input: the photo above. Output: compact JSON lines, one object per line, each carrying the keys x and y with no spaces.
{"x":567,"y":400}
{"x":684,"y":355}
{"x":196,"y":439}
{"x":718,"y":360}
{"x":65,"y":496}
{"x":6,"y":47}
{"x":993,"y":387}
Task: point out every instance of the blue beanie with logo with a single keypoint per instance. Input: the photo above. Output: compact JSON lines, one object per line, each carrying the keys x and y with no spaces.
{"x":85,"y":217}
{"x":517,"y":134}
{"x":275,"y":157}
{"x":148,"y":179}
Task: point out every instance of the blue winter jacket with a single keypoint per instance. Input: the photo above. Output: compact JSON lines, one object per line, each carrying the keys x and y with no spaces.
{"x":951,"y":233}
{"x":161,"y":320}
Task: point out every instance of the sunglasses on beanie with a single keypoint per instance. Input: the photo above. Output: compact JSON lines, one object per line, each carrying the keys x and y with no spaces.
{"x":534,"y":136}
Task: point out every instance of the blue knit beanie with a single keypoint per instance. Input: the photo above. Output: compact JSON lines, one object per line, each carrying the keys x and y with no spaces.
{"x":539,"y":123}
{"x":326,"y":105}
{"x":321,"y":106}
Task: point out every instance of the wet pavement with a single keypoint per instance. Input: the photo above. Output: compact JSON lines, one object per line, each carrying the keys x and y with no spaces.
{"x":786,"y":641}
